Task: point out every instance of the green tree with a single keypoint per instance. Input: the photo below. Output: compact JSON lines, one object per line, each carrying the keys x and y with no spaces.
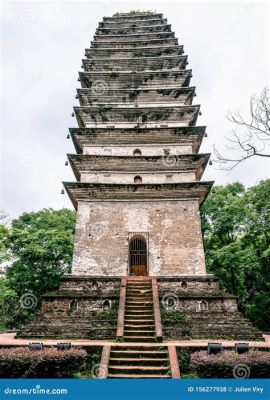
{"x":4,"y":244}
{"x":9,"y":305}
{"x":236,"y":226}
{"x":41,"y":244}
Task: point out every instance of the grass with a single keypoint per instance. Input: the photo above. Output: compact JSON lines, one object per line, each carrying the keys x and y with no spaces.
{"x":189,"y":375}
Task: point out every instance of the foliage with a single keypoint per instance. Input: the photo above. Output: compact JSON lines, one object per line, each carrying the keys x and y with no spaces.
{"x":236,"y":230}
{"x":4,"y":244}
{"x":42,"y":244}
{"x":21,"y":362}
{"x":9,"y":304}
{"x":39,"y":248}
{"x":228,"y":364}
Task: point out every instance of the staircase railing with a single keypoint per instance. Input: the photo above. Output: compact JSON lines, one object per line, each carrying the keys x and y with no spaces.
{"x":104,"y":363}
{"x":175,"y":370}
{"x":157,"y":315}
{"x":121,"y":309}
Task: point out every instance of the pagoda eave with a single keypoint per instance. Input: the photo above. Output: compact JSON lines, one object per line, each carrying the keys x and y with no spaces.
{"x":134,"y":79}
{"x":146,"y":96}
{"x":143,"y":164}
{"x":120,"y":115}
{"x":89,"y":192}
{"x":141,"y":136}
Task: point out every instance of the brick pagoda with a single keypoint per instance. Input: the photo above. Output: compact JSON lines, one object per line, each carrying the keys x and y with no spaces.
{"x":138,"y":270}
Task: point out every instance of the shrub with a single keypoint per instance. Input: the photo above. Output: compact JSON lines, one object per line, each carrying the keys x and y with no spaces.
{"x":20,"y":362}
{"x":228,"y":364}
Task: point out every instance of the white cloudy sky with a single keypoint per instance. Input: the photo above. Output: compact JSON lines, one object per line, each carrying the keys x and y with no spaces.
{"x":42,"y":47}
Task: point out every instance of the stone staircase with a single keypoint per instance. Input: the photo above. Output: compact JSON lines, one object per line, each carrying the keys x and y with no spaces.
{"x":139,"y":317}
{"x":142,"y":361}
{"x":139,"y":322}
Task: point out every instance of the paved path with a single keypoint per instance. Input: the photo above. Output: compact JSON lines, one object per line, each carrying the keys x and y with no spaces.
{"x":8,"y":339}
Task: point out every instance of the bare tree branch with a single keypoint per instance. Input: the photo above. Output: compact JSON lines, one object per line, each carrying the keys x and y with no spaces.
{"x":253,"y":140}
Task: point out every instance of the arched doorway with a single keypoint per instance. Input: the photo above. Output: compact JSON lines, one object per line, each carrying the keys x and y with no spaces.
{"x":138,"y":256}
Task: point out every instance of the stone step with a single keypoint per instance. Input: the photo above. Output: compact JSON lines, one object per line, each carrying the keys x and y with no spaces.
{"x":139,"y":315}
{"x":138,"y":369}
{"x":139,"y":332}
{"x":137,"y":309}
{"x":147,"y":316}
{"x":140,"y":376}
{"x":139,"y":285}
{"x":139,"y":338}
{"x":139,"y":298}
{"x":139,"y":302}
{"x":144,"y":323}
{"x":140,"y":347}
{"x":135,"y":326}
{"x":142,"y":353}
{"x":139,"y":361}
{"x":142,"y":294}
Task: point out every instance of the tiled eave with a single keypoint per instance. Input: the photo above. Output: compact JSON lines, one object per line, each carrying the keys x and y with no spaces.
{"x":144,"y":164}
{"x":131,"y":78}
{"x":89,"y":192}
{"x":125,"y":136}
{"x":160,"y":114}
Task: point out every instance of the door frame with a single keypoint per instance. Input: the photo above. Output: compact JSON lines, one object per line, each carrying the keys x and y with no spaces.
{"x":145,"y":236}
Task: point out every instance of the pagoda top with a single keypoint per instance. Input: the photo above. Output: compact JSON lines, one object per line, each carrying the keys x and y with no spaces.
{"x":136,"y":13}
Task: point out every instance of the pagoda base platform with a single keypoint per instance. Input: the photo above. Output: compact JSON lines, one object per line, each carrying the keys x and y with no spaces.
{"x":192,"y":307}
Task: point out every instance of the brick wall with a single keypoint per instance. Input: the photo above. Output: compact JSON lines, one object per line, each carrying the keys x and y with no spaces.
{"x":175,"y":241}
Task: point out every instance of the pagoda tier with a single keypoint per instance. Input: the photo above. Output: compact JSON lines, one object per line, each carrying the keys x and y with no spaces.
{"x":86,"y":192}
{"x":135,"y":43}
{"x":136,"y":64}
{"x":136,"y":17}
{"x":133,"y":29}
{"x":131,"y":52}
{"x":196,"y":163}
{"x":118,"y":115}
{"x":89,"y":139}
{"x":133,"y":37}
{"x":130,"y":79}
{"x":132,"y":23}
{"x":146,"y":96}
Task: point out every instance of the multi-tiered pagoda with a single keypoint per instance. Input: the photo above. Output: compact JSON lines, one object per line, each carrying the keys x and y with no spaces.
{"x":138,"y":270}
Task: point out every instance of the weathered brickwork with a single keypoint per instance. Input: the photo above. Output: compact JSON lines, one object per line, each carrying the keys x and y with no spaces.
{"x":83,"y":307}
{"x":146,"y":177}
{"x":154,"y":150}
{"x":173,"y":229}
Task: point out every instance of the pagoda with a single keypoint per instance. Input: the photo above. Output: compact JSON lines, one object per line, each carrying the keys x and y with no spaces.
{"x":138,"y":272}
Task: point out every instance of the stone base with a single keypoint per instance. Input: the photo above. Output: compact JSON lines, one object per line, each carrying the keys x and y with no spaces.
{"x":192,"y":307}
{"x":82,"y":308}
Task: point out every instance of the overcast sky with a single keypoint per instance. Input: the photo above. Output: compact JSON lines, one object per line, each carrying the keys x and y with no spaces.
{"x":227,"y":44}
